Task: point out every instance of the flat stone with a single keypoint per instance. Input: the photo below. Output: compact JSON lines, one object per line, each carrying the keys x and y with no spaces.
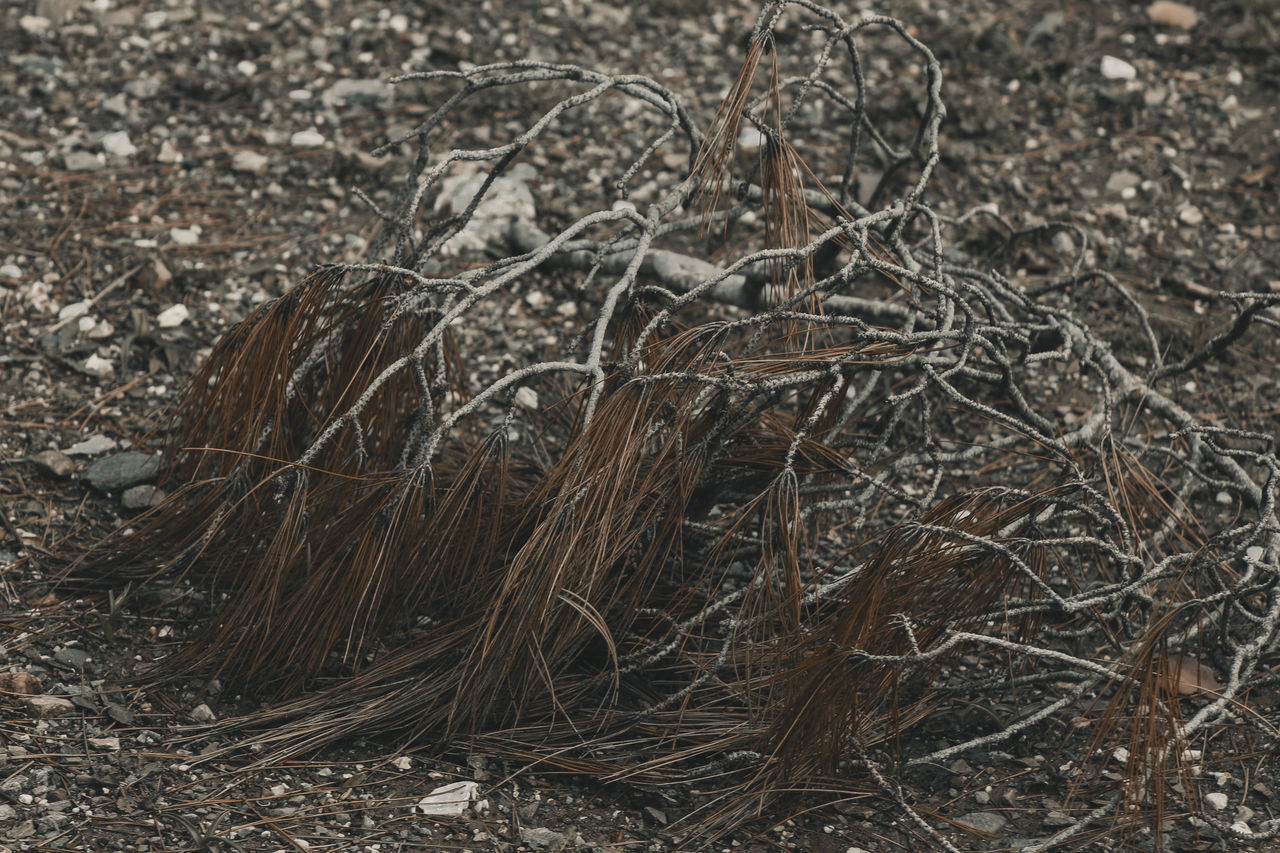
{"x":49,"y":706}
{"x":541,"y":838}
{"x":346,"y":92}
{"x":141,"y":497}
{"x":123,"y":470}
{"x":988,"y":823}
{"x":306,"y":139}
{"x":82,"y":161}
{"x":1114,"y":68}
{"x":73,"y":657}
{"x":91,"y":446}
{"x":1173,"y":14}
{"x":118,"y":144}
{"x":1122,"y":180}
{"x":249,"y":161}
{"x":55,"y":463}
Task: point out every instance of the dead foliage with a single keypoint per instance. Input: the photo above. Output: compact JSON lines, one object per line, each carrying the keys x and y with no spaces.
{"x":747,"y":540}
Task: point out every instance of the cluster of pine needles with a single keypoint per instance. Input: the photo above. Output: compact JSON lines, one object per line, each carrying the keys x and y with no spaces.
{"x":753,"y":521}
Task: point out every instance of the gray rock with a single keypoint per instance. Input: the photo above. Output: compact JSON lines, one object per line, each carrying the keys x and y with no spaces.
{"x":123,"y":470}
{"x":1063,"y":244}
{"x":249,"y":161}
{"x":91,"y":446}
{"x":82,"y":161}
{"x":1122,"y":180}
{"x":346,"y":92}
{"x":73,"y":657}
{"x":141,"y":497}
{"x":116,"y":104}
{"x":542,"y":838}
{"x":989,"y":823}
{"x":7,"y":812}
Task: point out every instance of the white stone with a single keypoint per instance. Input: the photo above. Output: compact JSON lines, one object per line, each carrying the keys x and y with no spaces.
{"x":306,"y":139}
{"x":1191,"y":215}
{"x":1216,"y":801}
{"x":95,"y":363}
{"x":751,"y":138}
{"x":249,"y":161}
{"x":202,"y":713}
{"x":75,"y":309}
{"x":117,"y":144}
{"x":85,"y":323}
{"x":174,"y":315}
{"x":1253,"y":553}
{"x":91,"y":446}
{"x":448,"y":800}
{"x":247,"y":68}
{"x":527,"y":398}
{"x":168,"y":153}
{"x":185,"y":236}
{"x":1117,"y":69}
{"x":34,"y":24}
{"x":11,"y":271}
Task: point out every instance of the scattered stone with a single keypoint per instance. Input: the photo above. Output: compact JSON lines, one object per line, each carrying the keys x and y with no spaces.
{"x":123,"y":470}
{"x":1063,"y":244}
{"x":185,"y":236}
{"x":101,"y":330}
{"x":1117,"y":69}
{"x":656,"y":814}
{"x":168,"y":153}
{"x":527,"y":398}
{"x":116,"y":104}
{"x":173,"y":316}
{"x":34,"y":24}
{"x":988,"y":823}
{"x":1190,"y":215}
{"x":306,"y":139}
{"x":99,"y":366}
{"x":1216,"y":800}
{"x":49,"y":706}
{"x":1122,"y":180}
{"x":202,"y":713}
{"x":11,"y":271}
{"x":249,"y":161}
{"x":141,"y":497}
{"x":751,"y":138}
{"x":55,"y":463}
{"x":1173,"y":14}
{"x":73,"y":657}
{"x":117,"y":144}
{"x":82,"y":161}
{"x":91,"y":446}
{"x":542,"y":838}
{"x":448,"y":800}
{"x":347,"y":92}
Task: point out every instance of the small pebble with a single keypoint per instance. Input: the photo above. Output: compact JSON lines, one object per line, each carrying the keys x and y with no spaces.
{"x":306,"y":139}
{"x":1117,"y":69}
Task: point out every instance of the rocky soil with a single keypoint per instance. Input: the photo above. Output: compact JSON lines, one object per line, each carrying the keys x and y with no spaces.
{"x":167,"y":166}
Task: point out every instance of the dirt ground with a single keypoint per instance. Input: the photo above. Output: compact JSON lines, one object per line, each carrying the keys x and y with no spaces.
{"x":166,"y":167}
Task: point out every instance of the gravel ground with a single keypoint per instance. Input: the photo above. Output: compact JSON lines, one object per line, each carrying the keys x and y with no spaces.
{"x":166,"y":167}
